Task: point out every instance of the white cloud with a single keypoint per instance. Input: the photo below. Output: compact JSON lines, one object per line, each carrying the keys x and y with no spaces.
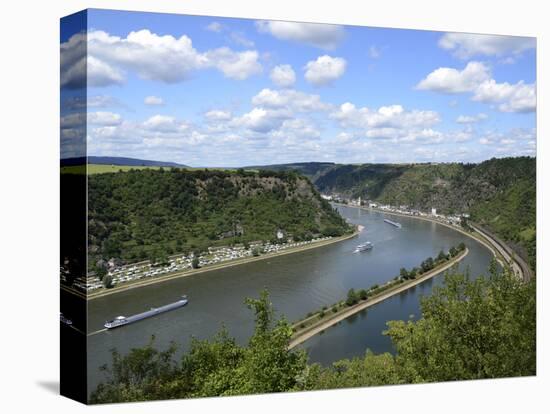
{"x":476,"y":78}
{"x":394,"y":116}
{"x":218,"y":115}
{"x":153,"y":100}
{"x":485,"y":141}
{"x":164,"y":124}
{"x":235,"y":65}
{"x":283,"y":76}
{"x":471,"y":119}
{"x":261,"y":120}
{"x":450,"y":80}
{"x":100,"y":73}
{"x":392,"y":122}
{"x":515,"y":142}
{"x":151,"y":56}
{"x":465,"y":45}
{"x":104,"y":118}
{"x":100,"y":101}
{"x":297,"y":128}
{"x":290,"y":99}
{"x":214,"y":27}
{"x":324,"y":70}
{"x":323,"y":36}
{"x":519,"y":97}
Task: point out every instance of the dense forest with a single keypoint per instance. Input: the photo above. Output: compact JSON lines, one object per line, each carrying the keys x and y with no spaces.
{"x":470,"y":329}
{"x":498,"y":193}
{"x":145,"y":214}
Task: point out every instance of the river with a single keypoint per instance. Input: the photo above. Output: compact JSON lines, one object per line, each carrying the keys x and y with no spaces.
{"x":297,"y":283}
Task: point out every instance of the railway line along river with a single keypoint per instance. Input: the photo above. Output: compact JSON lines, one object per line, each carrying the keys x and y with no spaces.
{"x":298,"y":283}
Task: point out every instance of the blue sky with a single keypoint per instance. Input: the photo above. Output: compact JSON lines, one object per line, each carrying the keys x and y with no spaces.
{"x":209,"y":91}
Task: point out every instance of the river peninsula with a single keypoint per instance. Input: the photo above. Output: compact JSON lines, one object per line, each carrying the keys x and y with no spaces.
{"x":322,"y":320}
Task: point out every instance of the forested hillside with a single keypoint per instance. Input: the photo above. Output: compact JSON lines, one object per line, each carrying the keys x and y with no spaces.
{"x":498,"y":193}
{"x":143,"y":214}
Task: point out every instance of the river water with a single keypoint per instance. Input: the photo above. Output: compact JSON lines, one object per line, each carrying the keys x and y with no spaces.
{"x":298,"y":283}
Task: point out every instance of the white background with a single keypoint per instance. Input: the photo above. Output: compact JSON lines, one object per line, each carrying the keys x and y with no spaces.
{"x":29,"y":194}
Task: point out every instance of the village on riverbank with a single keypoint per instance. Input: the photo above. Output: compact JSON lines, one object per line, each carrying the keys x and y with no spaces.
{"x":118,"y":276}
{"x":459,"y":220}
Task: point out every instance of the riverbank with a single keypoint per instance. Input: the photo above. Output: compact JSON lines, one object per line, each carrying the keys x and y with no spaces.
{"x":501,"y":255}
{"x":331,"y":319}
{"x":495,"y":246}
{"x":209,"y":268}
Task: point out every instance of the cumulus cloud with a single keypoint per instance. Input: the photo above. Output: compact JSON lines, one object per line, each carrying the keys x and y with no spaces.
{"x":234,"y":65}
{"x":261,"y":120}
{"x":515,"y":142}
{"x":322,"y":36}
{"x":471,"y":119}
{"x":450,"y":80}
{"x":465,"y":45}
{"x":476,"y":78}
{"x":390,"y":123}
{"x":108,"y":57}
{"x":164,"y":124}
{"x":283,"y":76}
{"x":324,"y":70}
{"x":104,"y":118}
{"x":153,"y":100}
{"x":394,"y":116}
{"x":218,"y":115}
{"x":291,"y":99}
{"x":519,"y":97}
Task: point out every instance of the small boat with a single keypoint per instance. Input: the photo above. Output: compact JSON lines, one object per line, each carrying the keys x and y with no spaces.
{"x":363,"y":247}
{"x":125,"y":320}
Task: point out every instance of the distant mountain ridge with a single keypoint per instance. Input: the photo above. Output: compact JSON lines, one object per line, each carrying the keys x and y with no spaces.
{"x":132,"y":162}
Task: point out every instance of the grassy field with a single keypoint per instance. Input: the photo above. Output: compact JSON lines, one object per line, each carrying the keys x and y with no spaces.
{"x":102,"y":168}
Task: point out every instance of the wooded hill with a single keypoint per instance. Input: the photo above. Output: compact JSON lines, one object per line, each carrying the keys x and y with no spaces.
{"x":147,"y":214}
{"x":498,"y":193}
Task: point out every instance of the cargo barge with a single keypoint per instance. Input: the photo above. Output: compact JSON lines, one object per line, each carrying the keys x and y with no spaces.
{"x":125,"y":320}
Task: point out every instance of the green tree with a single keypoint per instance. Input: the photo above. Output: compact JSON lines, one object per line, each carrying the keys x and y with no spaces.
{"x":483,"y":328}
{"x":107,"y":282}
{"x":195,"y":263}
{"x":403,"y":273}
{"x":351,"y":298}
{"x":100,"y":272}
{"x":427,"y":264}
{"x":441,"y":256}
